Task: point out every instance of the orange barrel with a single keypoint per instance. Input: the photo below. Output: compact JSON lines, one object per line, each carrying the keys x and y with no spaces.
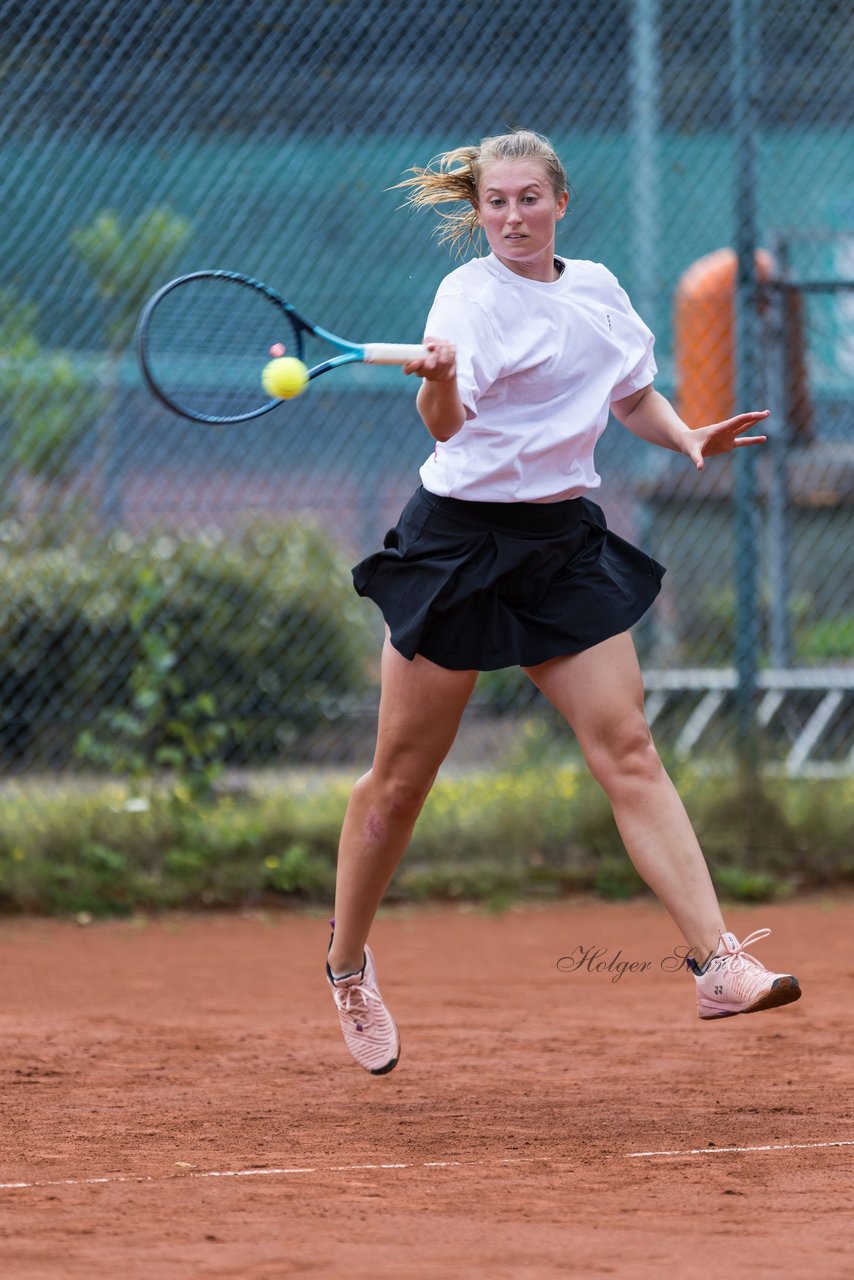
{"x":704,"y":335}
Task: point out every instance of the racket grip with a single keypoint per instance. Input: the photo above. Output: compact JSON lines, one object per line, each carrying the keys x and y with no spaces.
{"x":391,"y":352}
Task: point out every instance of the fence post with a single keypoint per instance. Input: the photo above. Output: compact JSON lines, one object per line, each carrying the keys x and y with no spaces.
{"x":780,"y":434}
{"x":646,"y":78}
{"x":745,"y":92}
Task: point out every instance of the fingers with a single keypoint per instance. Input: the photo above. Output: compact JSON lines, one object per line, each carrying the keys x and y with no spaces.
{"x":724,"y":437}
{"x":745,"y":440}
{"x":438,"y":365}
{"x":744,"y":421}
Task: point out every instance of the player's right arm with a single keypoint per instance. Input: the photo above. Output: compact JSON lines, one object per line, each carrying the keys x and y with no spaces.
{"x":438,"y":399}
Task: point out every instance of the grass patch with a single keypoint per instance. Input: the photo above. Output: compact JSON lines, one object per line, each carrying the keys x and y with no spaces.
{"x":493,"y":837}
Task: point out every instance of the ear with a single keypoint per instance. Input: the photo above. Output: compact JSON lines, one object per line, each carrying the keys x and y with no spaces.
{"x":562,"y":204}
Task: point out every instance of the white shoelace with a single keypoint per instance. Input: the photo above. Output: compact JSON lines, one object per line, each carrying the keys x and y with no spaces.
{"x":741,"y":958}
{"x":353,"y":1002}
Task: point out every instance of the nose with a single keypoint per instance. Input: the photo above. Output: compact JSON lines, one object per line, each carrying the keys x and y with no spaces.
{"x":513,"y":214}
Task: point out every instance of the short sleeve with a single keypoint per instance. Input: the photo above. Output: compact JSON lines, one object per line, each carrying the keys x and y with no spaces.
{"x":459,"y":319}
{"x":639,"y":367}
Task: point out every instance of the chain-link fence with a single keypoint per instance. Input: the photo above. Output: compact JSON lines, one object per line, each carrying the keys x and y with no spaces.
{"x":153,"y":572}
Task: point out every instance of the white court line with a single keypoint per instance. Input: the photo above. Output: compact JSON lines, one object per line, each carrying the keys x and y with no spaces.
{"x":185,"y":1176}
{"x":717,"y":1151}
{"x":270,"y":1173}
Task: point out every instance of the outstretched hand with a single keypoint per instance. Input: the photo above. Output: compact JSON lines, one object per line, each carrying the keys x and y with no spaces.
{"x":723,"y":437}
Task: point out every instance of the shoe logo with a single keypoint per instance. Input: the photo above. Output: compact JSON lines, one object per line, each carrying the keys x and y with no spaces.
{"x":719,"y":991}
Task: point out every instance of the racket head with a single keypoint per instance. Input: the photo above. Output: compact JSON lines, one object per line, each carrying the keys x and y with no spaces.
{"x":204,"y":339}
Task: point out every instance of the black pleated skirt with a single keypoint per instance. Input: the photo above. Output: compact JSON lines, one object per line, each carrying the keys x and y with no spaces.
{"x":484,"y":585}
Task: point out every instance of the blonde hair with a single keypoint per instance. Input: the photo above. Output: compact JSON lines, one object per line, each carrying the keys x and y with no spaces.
{"x":454,"y":177}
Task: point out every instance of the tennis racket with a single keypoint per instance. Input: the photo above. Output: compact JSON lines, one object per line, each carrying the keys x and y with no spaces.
{"x":204,"y":339}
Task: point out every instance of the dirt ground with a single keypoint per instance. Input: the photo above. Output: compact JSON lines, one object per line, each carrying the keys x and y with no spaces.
{"x":177,"y":1102}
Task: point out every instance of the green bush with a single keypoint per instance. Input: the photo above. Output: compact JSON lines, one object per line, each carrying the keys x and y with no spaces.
{"x":141,"y":643}
{"x":127,"y":260}
{"x":827,"y":640}
{"x":489,"y":837}
{"x":48,"y":402}
{"x":710,"y":630}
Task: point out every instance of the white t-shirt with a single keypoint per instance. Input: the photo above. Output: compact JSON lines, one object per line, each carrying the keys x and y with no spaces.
{"x":537,"y":367}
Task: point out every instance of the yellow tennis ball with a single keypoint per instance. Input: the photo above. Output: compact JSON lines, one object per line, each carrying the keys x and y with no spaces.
{"x":284,"y":378}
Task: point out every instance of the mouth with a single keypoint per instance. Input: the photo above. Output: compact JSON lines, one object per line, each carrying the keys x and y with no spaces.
{"x":514,"y":236}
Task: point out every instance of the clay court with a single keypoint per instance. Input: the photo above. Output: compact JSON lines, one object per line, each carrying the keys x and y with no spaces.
{"x":177,"y":1102}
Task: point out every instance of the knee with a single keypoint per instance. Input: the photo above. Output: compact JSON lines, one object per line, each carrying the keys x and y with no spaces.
{"x":625,"y":754}
{"x":396,"y":795}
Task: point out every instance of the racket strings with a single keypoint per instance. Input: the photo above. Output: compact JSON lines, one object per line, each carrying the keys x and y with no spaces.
{"x":207,"y":342}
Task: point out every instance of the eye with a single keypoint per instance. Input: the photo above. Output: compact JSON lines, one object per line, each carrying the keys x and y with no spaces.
{"x":495,"y":201}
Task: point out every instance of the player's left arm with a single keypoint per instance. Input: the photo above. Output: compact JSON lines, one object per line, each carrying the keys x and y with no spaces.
{"x":650,"y":415}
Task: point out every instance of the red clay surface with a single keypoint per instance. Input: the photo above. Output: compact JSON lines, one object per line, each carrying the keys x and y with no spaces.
{"x":146,"y":1057}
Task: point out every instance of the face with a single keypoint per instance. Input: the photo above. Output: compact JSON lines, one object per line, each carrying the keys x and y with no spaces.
{"x":518,"y":210}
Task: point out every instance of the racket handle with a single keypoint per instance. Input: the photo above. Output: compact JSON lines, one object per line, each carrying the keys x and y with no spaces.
{"x":391,"y":352}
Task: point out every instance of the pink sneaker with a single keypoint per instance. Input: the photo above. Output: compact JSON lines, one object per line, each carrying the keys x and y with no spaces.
{"x":735,"y":982}
{"x":369,"y":1029}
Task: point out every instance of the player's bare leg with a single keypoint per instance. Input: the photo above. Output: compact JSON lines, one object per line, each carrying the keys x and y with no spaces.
{"x":421,"y":705}
{"x":420,"y":709}
{"x":600,"y":694}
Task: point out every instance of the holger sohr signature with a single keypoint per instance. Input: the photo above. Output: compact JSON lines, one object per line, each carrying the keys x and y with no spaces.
{"x":597,"y":960}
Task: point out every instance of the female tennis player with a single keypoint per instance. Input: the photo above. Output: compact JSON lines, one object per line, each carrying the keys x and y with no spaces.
{"x":501,"y":559}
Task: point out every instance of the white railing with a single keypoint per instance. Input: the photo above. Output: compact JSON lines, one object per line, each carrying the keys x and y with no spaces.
{"x":703,"y":693}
